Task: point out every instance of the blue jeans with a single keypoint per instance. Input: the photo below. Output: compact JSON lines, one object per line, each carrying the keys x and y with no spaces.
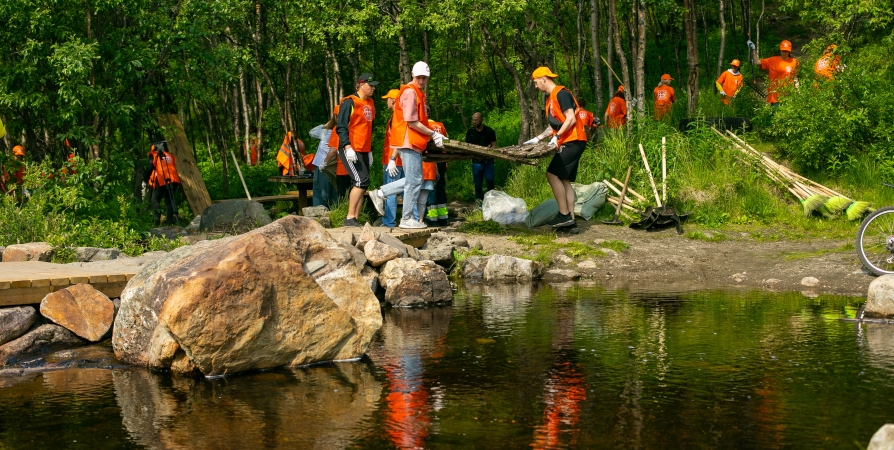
{"x":412,"y":161}
{"x":481,"y":172}
{"x":388,"y":219}
{"x":324,"y":192}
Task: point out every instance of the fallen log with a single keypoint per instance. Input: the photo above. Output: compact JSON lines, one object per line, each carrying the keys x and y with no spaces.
{"x":522,"y":154}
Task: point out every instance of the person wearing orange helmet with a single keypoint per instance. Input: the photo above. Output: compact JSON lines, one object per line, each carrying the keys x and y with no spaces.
{"x":729,"y":82}
{"x":163,"y":181}
{"x":616,"y":112}
{"x":781,"y":69}
{"x":828,"y":64}
{"x":664,"y":97}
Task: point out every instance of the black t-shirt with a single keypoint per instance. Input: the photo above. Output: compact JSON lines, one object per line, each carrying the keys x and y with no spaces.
{"x":566,"y":102}
{"x":484,"y":138}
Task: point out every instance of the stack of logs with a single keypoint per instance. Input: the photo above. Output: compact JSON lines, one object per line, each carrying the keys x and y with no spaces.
{"x":456,"y":150}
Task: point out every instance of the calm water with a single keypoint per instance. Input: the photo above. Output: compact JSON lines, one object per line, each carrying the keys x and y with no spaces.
{"x":511,"y":367}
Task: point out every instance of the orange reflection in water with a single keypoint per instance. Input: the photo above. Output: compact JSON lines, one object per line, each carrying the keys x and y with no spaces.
{"x":407,"y":420}
{"x":565,"y":390}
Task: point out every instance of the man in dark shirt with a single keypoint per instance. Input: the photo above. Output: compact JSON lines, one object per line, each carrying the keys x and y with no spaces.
{"x":483,"y":135}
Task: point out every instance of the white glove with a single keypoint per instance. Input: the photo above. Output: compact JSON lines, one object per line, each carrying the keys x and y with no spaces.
{"x":554,"y":142}
{"x":438,"y":139}
{"x":370,"y":154}
{"x":722,"y":94}
{"x":535,"y":140}
{"x":351,"y":155}
{"x":392,"y":168}
{"x":750,"y":44}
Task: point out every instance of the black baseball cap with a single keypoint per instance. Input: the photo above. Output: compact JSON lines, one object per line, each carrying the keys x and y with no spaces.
{"x":367,"y":78}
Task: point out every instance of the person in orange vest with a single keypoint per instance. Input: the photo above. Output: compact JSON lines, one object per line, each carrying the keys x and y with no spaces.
{"x":437,"y":198}
{"x":586,"y":117}
{"x":410,"y":137}
{"x":664,"y":97}
{"x":828,"y":64}
{"x":616,"y":111}
{"x":781,"y":69}
{"x":569,"y":139}
{"x":354,"y":129}
{"x":729,"y":82}
{"x":391,"y":164}
{"x":286,"y":160}
{"x":253,"y":146}
{"x":18,"y":177}
{"x":163,"y":181}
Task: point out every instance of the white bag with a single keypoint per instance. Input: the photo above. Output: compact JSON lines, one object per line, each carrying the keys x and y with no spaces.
{"x":503,"y":208}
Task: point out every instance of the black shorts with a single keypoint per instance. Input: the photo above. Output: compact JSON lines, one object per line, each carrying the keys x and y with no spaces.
{"x":564,"y":164}
{"x":358,"y":171}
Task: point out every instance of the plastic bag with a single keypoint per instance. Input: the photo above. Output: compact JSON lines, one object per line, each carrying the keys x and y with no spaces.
{"x":503,"y":208}
{"x":543,"y":213}
{"x":590,"y":197}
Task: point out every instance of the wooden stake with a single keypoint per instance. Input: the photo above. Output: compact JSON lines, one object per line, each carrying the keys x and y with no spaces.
{"x":629,"y":191}
{"x":663,"y":169}
{"x":642,"y":153}
{"x":239,"y":171}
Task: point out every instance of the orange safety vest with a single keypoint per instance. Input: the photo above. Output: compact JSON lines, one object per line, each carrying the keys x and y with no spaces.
{"x":401,"y":129}
{"x":165,"y":169}
{"x":576,"y":132}
{"x":586,"y":118}
{"x":664,"y":100}
{"x":386,"y":148}
{"x":429,"y":171}
{"x":284,"y":158}
{"x":360,"y":129}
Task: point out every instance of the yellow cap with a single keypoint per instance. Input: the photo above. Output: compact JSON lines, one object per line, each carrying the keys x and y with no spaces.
{"x":543,"y":71}
{"x":391,"y":94}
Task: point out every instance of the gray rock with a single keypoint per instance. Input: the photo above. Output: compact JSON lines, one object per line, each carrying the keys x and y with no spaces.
{"x":587,"y":264}
{"x":357,"y":255}
{"x":14,"y":322}
{"x":194,"y":223}
{"x":325,"y":222}
{"x":414,"y":283}
{"x":234,"y":216}
{"x":563,"y":259}
{"x":440,"y":238}
{"x":32,"y":251}
{"x":366,"y":235}
{"x":473,"y":267}
{"x":440,"y":247}
{"x":443,"y":255}
{"x":412,"y":252}
{"x":90,"y":254}
{"x":347,"y":238}
{"x":170,"y":232}
{"x":44,"y":337}
{"x":388,"y":239}
{"x":880,"y":297}
{"x":509,"y":269}
{"x":378,"y":253}
{"x":883,"y":439}
{"x":123,"y":262}
{"x":809,"y":281}
{"x":194,"y":238}
{"x":372,"y":278}
{"x":315,"y":211}
{"x":560,"y":275}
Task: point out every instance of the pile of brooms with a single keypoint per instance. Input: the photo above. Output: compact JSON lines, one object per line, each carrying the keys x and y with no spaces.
{"x":814,"y":197}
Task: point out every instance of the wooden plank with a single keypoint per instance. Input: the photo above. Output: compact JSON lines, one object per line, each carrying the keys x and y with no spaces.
{"x":112,"y":290}
{"x":5,"y":285}
{"x":92,"y":279}
{"x":64,"y":281}
{"x":187,"y":169}
{"x":25,"y":296}
{"x":116,"y":278}
{"x":21,"y":284}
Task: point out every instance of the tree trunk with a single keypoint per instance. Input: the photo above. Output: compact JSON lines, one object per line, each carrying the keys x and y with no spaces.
{"x":405,"y":72}
{"x":640,"y":63}
{"x":207,"y":130}
{"x":610,"y":54}
{"x":689,"y":23}
{"x":622,"y":57}
{"x":597,"y":64}
{"x":526,"y":129}
{"x":722,"y":39}
{"x":757,"y":29}
{"x":245,"y":117}
{"x":260,"y":139}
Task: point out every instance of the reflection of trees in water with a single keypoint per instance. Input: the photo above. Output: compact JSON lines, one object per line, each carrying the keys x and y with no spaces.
{"x":880,"y":345}
{"x":314,"y":407}
{"x":503,"y":306}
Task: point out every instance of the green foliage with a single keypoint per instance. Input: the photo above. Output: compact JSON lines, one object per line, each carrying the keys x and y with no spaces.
{"x":618,"y":246}
{"x":700,"y":236}
{"x":481,"y":227}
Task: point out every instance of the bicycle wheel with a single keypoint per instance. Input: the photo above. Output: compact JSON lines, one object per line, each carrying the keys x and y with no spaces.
{"x":875,"y":241}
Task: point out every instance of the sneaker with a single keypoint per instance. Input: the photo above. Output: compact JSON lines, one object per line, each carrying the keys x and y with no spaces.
{"x":412,"y":224}
{"x":351,"y":223}
{"x":378,"y":201}
{"x":561,"y":220}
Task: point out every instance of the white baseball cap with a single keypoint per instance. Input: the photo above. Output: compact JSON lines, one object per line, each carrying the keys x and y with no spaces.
{"x":421,"y":69}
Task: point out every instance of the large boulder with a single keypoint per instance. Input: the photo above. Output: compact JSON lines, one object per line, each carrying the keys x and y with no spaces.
{"x":509,"y":269}
{"x":880,"y":297}
{"x":234,"y":216}
{"x":378,"y":253}
{"x":286,"y":294}
{"x":408,"y":282}
{"x":14,"y":322}
{"x":440,"y":247}
{"x":43,"y":338}
{"x":883,"y":439}
{"x":81,"y":309}
{"x":90,"y":254}
{"x":32,"y":251}
{"x":473,"y":267}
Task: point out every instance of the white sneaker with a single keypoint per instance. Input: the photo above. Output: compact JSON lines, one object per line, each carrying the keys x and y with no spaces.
{"x":378,"y":201}
{"x":412,"y":224}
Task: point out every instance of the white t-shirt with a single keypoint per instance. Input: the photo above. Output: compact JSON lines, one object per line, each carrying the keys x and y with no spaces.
{"x":321,"y":133}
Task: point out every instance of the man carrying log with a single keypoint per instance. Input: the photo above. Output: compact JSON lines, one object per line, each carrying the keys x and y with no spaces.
{"x":354,"y":128}
{"x":410,"y":136}
{"x":569,"y":139}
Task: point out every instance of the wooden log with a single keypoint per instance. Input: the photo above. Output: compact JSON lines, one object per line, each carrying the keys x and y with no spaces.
{"x":190,"y":177}
{"x":629,"y":190}
{"x":618,"y":191}
{"x":524,"y":154}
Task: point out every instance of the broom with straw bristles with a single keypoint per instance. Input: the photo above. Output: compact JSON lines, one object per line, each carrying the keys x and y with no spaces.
{"x":814,"y":197}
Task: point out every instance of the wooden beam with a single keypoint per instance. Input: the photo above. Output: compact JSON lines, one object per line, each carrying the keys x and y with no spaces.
{"x":187,"y":169}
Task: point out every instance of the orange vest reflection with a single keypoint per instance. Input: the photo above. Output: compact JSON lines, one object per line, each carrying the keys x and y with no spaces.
{"x":565,"y":390}
{"x":407,"y":419}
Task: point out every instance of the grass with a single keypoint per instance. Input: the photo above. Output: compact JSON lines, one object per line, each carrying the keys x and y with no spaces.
{"x":700,"y":236}
{"x":545,"y":247}
{"x":618,"y":246}
{"x":791,"y":256}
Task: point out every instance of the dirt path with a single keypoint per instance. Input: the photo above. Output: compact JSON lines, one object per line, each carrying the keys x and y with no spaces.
{"x":680,"y":263}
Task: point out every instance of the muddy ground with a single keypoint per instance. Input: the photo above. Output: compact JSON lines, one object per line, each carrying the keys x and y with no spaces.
{"x":664,"y":260}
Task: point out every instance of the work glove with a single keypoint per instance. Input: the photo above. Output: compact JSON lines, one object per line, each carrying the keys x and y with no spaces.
{"x":554,"y":143}
{"x":722,"y":94}
{"x":535,"y":140}
{"x":438,"y":139}
{"x":351,"y":155}
{"x":392,"y":168}
{"x":370,"y":158}
{"x":750,"y":44}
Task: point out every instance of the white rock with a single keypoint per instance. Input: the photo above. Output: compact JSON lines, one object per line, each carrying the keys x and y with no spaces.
{"x":880,"y":297}
{"x":883,"y":439}
{"x":587,"y":264}
{"x":809,"y":281}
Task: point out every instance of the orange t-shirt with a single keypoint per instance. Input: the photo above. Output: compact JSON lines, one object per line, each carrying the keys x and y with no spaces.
{"x":585,"y":117}
{"x":386,"y":149}
{"x":730,"y":84}
{"x":779,"y":73}
{"x":664,"y":100}
{"x":826,"y":66}
{"x":617,"y":112}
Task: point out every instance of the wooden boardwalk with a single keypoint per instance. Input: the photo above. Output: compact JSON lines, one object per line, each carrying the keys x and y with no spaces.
{"x":27,"y":283}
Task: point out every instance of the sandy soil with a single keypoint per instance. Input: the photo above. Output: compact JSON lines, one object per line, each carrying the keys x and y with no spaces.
{"x":666,"y":260}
